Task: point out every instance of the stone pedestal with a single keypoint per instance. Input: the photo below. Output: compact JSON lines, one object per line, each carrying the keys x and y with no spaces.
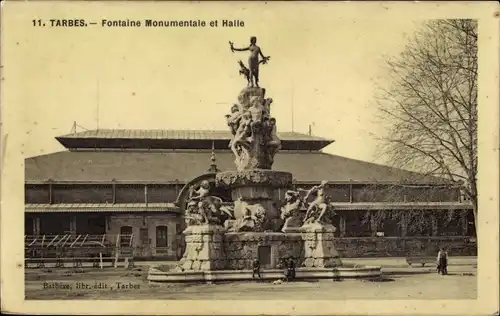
{"x":204,"y":248}
{"x":319,"y":247}
{"x":255,"y":192}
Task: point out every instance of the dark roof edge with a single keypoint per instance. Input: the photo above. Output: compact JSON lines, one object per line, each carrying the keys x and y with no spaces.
{"x":111,"y":138}
{"x":226,"y":134}
{"x":151,"y":143}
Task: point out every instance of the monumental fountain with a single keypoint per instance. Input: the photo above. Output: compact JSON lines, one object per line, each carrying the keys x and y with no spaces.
{"x":267,"y":220}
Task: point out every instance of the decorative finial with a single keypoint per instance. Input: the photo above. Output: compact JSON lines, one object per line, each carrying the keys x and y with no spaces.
{"x":213,"y":164}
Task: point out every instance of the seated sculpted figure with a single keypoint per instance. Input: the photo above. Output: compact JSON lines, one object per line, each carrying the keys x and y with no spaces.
{"x":290,"y":212}
{"x":209,"y":209}
{"x":253,"y":217}
{"x":233,"y":119}
{"x":197,"y":198}
{"x":267,"y":108}
{"x":320,"y":202}
{"x":292,"y":203}
{"x":256,"y":109}
{"x":201,"y":192}
{"x":192,"y":215}
{"x":248,"y":217}
{"x":274,"y":142}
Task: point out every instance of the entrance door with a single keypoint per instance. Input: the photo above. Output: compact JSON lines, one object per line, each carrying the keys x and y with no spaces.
{"x":145,"y":242}
{"x":125,"y":236}
{"x":161,"y":239}
{"x":264,"y":254}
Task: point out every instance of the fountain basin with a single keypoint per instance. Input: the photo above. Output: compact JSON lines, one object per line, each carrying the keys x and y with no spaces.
{"x":156,"y":275}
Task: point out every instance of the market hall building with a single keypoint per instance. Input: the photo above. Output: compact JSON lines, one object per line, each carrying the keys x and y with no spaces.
{"x":110,"y":182}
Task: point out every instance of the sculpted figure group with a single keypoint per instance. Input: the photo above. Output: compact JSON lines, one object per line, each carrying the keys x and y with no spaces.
{"x":318,"y":211}
{"x":252,"y":219}
{"x":254,"y":142}
{"x":254,"y":131}
{"x":203,"y":208}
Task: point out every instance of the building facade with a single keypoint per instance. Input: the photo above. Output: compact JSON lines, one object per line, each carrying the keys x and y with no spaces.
{"x":128,"y":182}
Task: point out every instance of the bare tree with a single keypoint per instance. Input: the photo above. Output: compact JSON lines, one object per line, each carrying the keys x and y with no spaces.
{"x":430,"y":104}
{"x":418,"y":222}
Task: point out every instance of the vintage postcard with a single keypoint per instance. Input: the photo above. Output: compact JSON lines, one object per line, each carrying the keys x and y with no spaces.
{"x":326,"y":158}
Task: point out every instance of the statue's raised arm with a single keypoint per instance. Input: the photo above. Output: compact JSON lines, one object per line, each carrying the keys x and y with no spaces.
{"x":233,"y":49}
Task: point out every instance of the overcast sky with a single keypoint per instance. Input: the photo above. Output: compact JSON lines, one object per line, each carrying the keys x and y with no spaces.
{"x":325,"y":62}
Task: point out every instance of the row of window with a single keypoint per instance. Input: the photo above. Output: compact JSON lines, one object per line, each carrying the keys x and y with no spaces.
{"x":161,"y":240}
{"x":87,"y":193}
{"x":94,"y":227}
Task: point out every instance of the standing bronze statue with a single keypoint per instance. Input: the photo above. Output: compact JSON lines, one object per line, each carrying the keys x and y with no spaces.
{"x":253,"y":61}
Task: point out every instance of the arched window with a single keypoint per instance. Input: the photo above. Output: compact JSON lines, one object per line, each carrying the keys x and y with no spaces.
{"x":125,"y":235}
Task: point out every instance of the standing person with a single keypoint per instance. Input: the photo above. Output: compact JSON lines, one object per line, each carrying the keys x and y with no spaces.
{"x":291,"y":268}
{"x":286,"y":271}
{"x":256,"y":268}
{"x":442,"y":261}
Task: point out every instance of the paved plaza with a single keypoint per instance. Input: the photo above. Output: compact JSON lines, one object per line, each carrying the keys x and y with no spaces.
{"x":399,"y":282}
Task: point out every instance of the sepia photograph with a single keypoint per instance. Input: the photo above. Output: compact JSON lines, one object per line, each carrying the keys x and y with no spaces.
{"x":312,"y":154}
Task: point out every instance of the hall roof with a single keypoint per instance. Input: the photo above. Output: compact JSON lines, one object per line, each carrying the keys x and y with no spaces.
{"x":176,"y":139}
{"x":183,"y":165}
